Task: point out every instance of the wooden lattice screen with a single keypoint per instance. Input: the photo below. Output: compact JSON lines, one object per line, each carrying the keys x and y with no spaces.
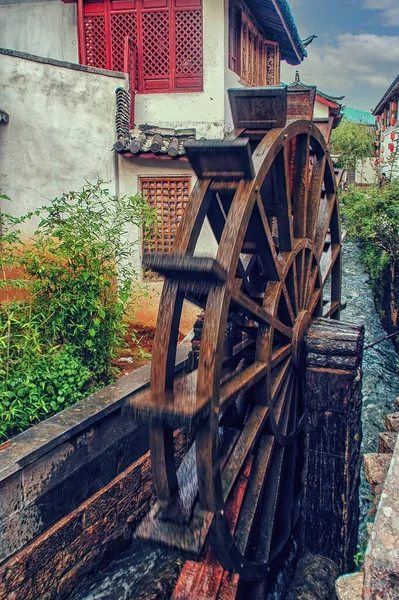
{"x":168,"y":196}
{"x":167,"y":33}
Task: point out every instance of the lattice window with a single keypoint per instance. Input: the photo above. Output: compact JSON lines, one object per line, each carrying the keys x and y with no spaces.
{"x":155,"y":43}
{"x":168,"y":35}
{"x":94,"y":27}
{"x":122,"y":25}
{"x":168,"y":196}
{"x":189,"y":42}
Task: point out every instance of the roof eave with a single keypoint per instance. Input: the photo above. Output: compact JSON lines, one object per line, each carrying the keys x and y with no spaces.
{"x":291,"y":47}
{"x":394,"y":87}
{"x":299,"y":58}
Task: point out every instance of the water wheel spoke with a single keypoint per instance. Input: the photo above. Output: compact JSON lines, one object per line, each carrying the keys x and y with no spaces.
{"x":308,"y":287}
{"x":217,"y":219}
{"x":250,"y":306}
{"x":241,"y":383}
{"x":300,"y":269}
{"x":193,"y":218}
{"x":314,"y":299}
{"x":273,"y":483}
{"x":252,"y":501}
{"x":267,"y":250}
{"x":243,"y":447}
{"x":326,"y":209}
{"x":281,"y":377}
{"x":282,"y":201}
{"x":279,"y":355}
{"x":301,"y":184}
{"x":291,"y":284}
{"x":331,"y":308}
{"x":315,"y":193}
{"x":288,"y":302}
{"x":328,"y":261}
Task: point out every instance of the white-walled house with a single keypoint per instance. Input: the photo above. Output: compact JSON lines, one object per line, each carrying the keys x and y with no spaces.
{"x":387,"y":132}
{"x":62,"y":62}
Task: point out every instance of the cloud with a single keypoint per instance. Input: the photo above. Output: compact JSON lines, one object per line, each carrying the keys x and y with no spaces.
{"x":359,"y":66}
{"x":389,"y":10}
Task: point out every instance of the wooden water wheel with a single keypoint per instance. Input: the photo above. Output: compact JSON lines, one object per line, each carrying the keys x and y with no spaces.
{"x":269,"y":196}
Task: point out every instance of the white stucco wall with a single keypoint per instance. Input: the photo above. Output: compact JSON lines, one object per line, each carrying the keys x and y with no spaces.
{"x":203,"y":110}
{"x":320,"y":111}
{"x":60,"y":133}
{"x":365,"y":173}
{"x":45,"y":28}
{"x":391,"y":169}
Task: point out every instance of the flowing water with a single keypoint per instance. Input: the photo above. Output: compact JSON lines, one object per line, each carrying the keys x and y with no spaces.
{"x":132,"y":576}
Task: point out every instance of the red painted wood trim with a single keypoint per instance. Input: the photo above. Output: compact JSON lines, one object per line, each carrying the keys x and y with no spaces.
{"x":152,"y":156}
{"x":108,"y":36}
{"x":81,"y":33}
{"x":326,"y":102}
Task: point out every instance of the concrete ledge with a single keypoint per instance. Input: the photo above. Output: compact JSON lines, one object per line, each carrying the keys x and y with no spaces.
{"x":382,"y":557}
{"x":62,"y":63}
{"x":49,"y":470}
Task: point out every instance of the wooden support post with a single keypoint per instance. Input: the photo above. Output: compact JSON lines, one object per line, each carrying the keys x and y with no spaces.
{"x":333,"y":434}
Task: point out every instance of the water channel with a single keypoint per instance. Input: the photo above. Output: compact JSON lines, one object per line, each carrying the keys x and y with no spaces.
{"x":134,"y":575}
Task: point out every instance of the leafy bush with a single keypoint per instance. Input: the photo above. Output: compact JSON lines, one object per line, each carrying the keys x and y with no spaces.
{"x":352,"y":142}
{"x":52,"y":382}
{"x":77,"y":281}
{"x":372,"y":216}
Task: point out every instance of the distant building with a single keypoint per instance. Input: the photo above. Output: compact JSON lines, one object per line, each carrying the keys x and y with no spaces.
{"x":387,"y":131}
{"x":365,"y":171}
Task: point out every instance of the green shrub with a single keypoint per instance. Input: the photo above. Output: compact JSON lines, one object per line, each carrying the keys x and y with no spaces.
{"x":80,"y":285}
{"x":52,"y":382}
{"x":372,"y":217}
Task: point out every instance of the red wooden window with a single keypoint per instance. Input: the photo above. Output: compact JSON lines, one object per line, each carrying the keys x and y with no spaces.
{"x":168,"y":197}
{"x":167,"y":33}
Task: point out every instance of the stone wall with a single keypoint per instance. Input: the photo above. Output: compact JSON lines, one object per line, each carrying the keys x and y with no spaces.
{"x":61,"y":129}
{"x":72,"y":489}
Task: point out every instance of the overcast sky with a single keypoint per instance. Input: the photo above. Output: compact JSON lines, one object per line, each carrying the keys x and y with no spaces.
{"x":357,"y":50}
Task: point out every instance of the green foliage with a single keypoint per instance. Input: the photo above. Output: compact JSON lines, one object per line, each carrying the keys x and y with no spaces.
{"x":360,"y":555}
{"x":350,"y":142}
{"x":78,"y":276}
{"x":372,"y":216}
{"x":52,"y":382}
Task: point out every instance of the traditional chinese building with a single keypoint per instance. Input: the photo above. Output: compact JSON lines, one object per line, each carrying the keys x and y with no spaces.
{"x":387,"y":131}
{"x":171,"y":61}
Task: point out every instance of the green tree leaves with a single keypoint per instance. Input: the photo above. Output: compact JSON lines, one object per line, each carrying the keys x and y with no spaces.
{"x":350,"y":142}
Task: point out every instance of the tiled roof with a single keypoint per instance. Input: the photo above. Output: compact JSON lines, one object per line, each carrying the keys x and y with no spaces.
{"x":392,"y":92}
{"x":358,"y":116}
{"x":146,"y":139}
{"x":156,"y":140}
